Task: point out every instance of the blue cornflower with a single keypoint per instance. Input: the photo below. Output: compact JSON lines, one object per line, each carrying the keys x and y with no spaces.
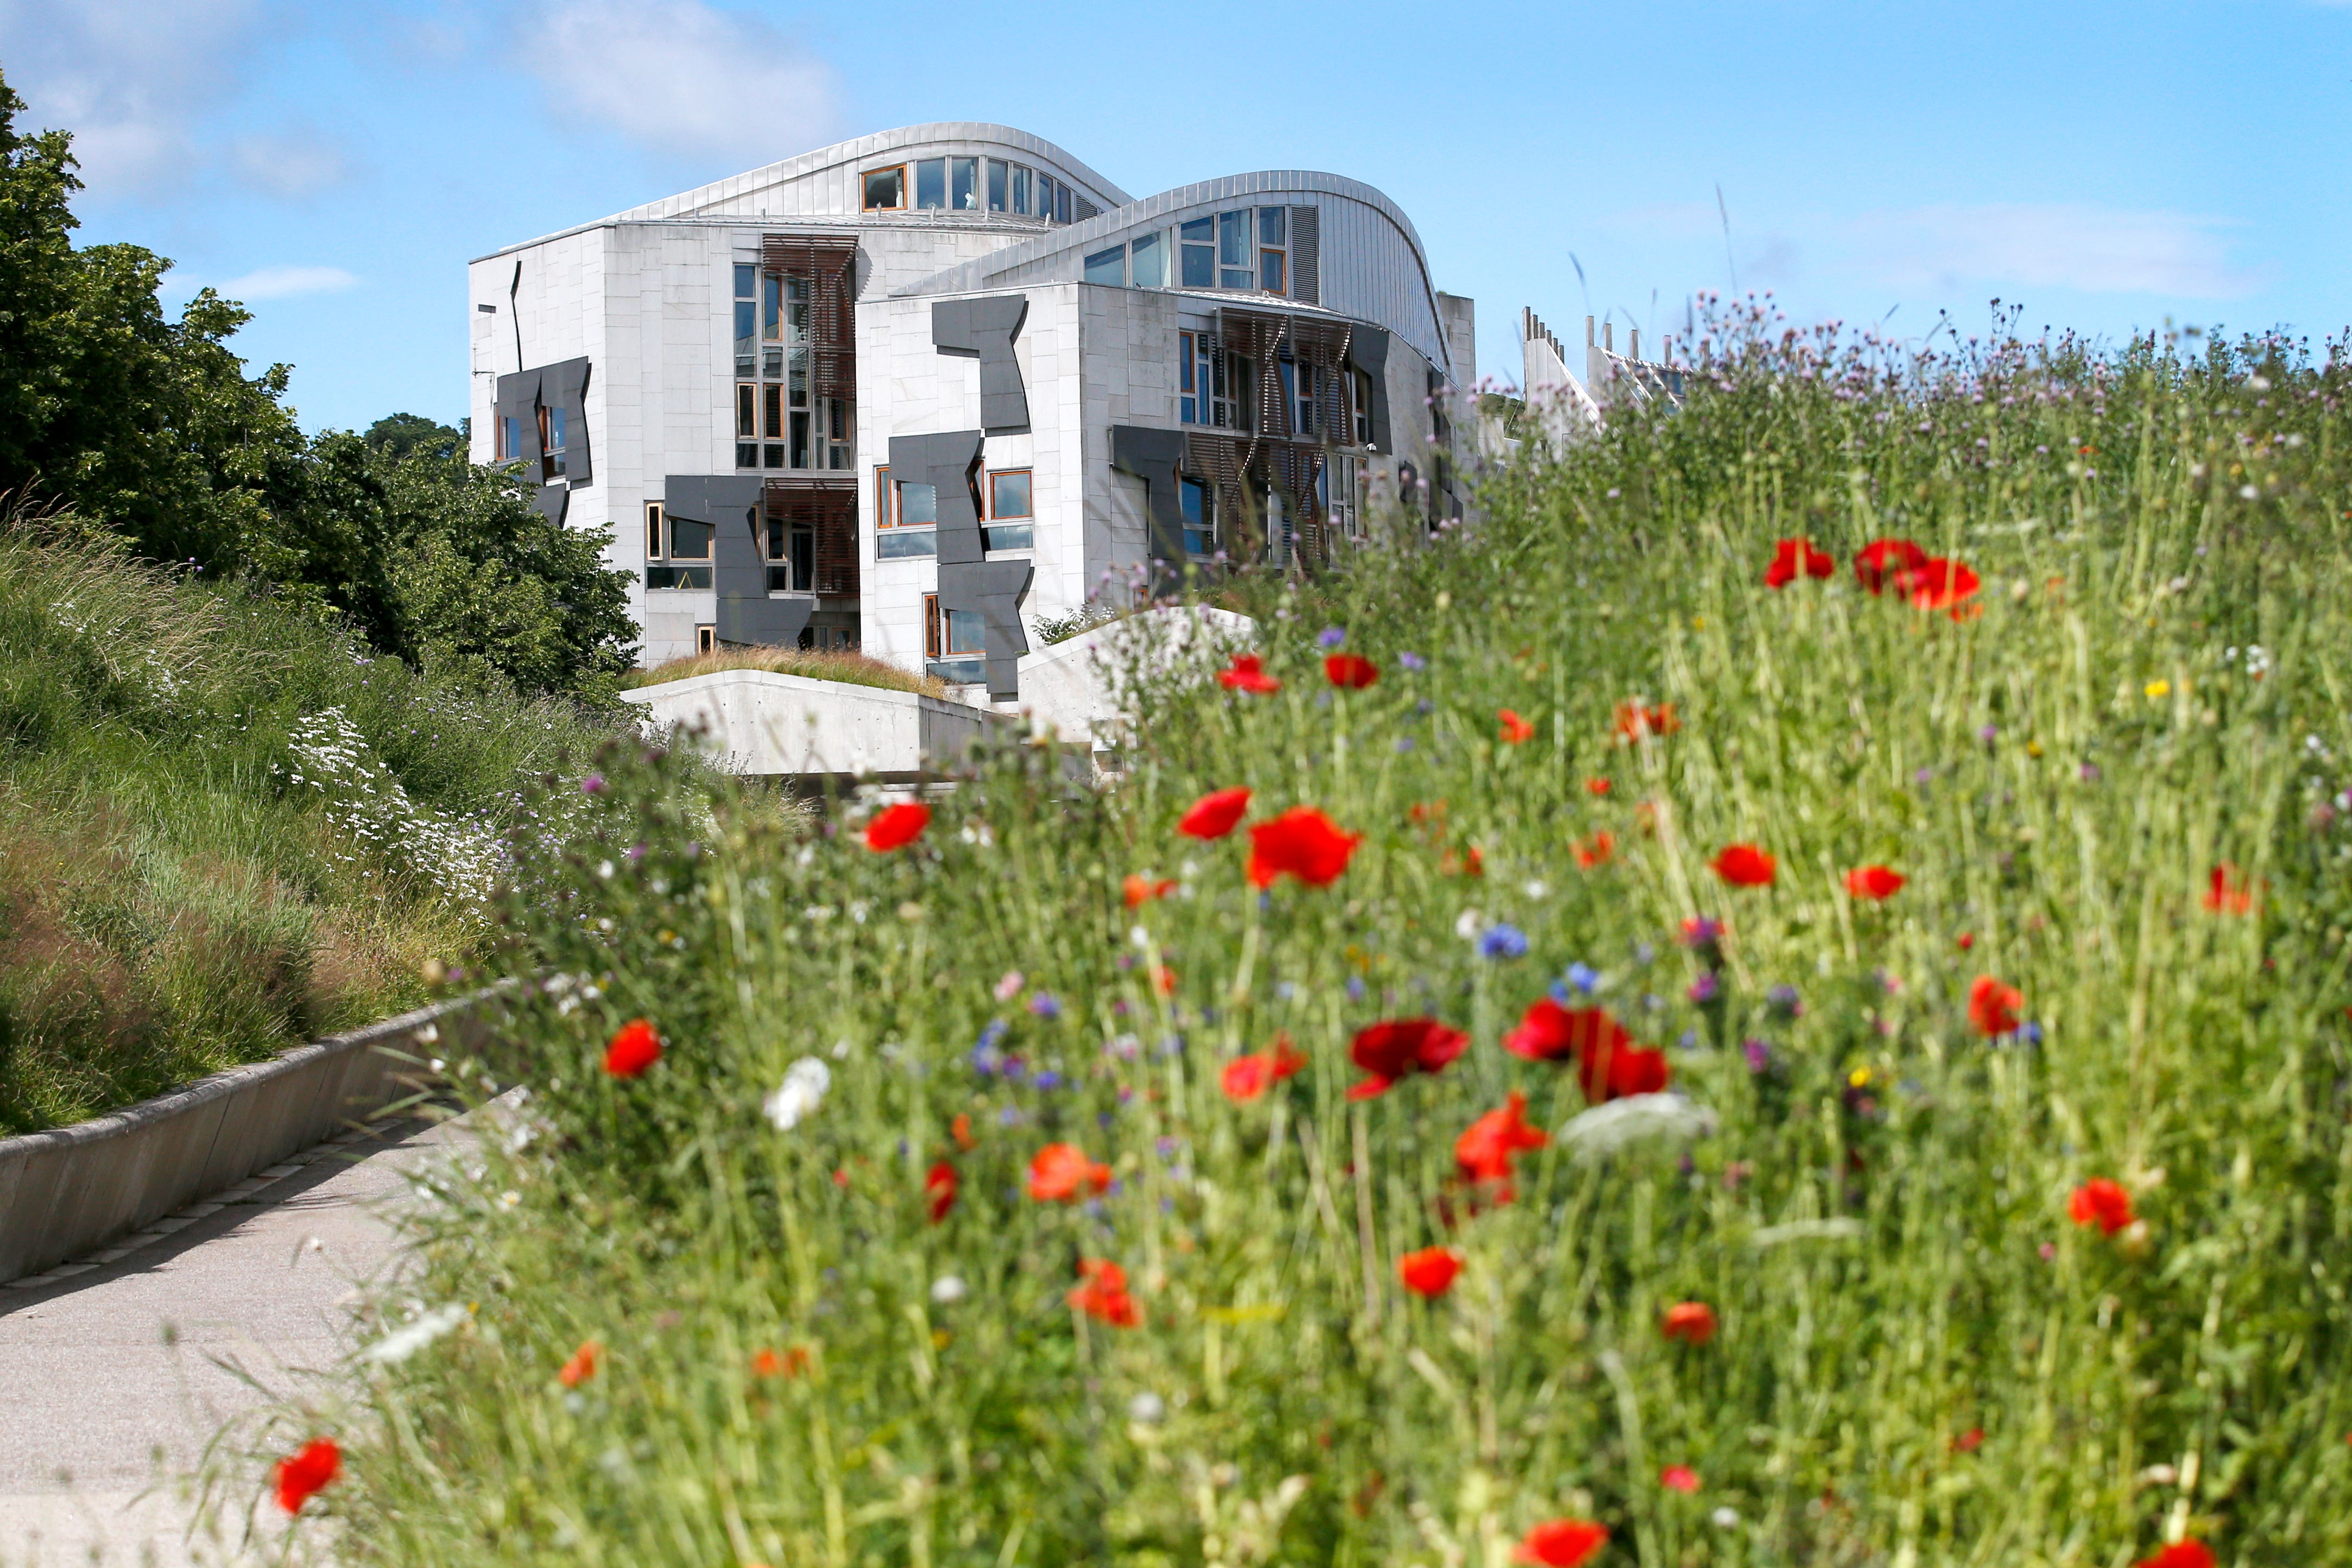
{"x":1048,"y":1079}
{"x":1413,"y":661}
{"x":1045,"y":1005}
{"x":1331,"y":636}
{"x":1501,"y":942}
{"x":1580,"y":977}
{"x":1703,"y":989}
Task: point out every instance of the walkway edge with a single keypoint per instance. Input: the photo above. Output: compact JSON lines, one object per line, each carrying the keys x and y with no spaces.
{"x":71,"y":1190}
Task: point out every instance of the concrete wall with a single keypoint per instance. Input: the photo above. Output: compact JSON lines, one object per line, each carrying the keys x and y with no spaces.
{"x":1075,"y":688}
{"x":759,"y":722}
{"x":66,"y":1192}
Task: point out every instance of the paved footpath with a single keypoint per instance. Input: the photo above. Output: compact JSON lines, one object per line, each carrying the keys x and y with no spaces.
{"x":111,"y":1378}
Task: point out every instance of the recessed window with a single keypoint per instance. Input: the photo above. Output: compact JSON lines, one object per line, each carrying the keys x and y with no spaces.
{"x":1148,"y":267}
{"x":931,"y":184}
{"x":1021,"y":189}
{"x":1061,"y":203}
{"x":747,"y":320}
{"x":896,"y":533}
{"x":689,"y":540}
{"x":550,"y":444}
{"x":1234,"y":248}
{"x":964,"y":184}
{"x":955,"y":642}
{"x":997,"y":185}
{"x":706,"y":639}
{"x":1199,"y":240}
{"x":695,"y":536}
{"x":886,"y":190}
{"x":1200,"y":517}
{"x":779,"y":421}
{"x":1213,"y":385}
{"x":1010,"y":522}
{"x":653,"y":530}
{"x":1270,"y":270}
{"x":1108,"y":266}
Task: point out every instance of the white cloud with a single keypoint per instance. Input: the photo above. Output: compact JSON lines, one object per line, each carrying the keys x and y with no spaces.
{"x":285,"y":282}
{"x":2050,"y":245}
{"x":293,"y":165}
{"x":682,"y":78}
{"x":128,"y":77}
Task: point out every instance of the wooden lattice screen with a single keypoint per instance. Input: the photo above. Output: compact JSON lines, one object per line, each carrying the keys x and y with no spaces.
{"x":827,"y":504}
{"x":830,"y":264}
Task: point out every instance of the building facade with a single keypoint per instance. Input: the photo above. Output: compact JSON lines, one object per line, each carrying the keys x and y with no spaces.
{"x":919,"y":392}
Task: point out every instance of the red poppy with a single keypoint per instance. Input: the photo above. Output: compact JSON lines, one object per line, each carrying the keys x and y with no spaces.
{"x":1614,"y":1074}
{"x":1485,"y":1150}
{"x":303,"y":1474}
{"x":1633,"y":720}
{"x":1941,"y":584}
{"x":1214,"y":814}
{"x":1471,"y":862}
{"x":1596,"y":786}
{"x":1793,"y":557}
{"x":1515,"y":728}
{"x":1992,"y":1007}
{"x":1139,"y":889}
{"x":1303,"y":843}
{"x":1246,"y":1077}
{"x":1886,"y":558}
{"x":2227,"y":893}
{"x":792,"y":1363}
{"x":1970,"y":1441}
{"x":634,"y":1047}
{"x":2181,"y":1555}
{"x":1248,"y":674}
{"x":1351,"y":671}
{"x":1679,"y":1479}
{"x":1104,"y":1293}
{"x":1690,"y":1322}
{"x":1874,"y":882}
{"x":962,"y":1129}
{"x":1163,"y":980}
{"x":1430,"y":1272}
{"x":1744,"y":866}
{"x":1561,"y":1543}
{"x":582,"y":1366}
{"x":2102,"y":1203}
{"x":1061,"y":1172}
{"x":940,"y":1184}
{"x":1597,"y":850}
{"x":1399,"y":1048}
{"x":1549,"y":1032}
{"x":896,"y":826}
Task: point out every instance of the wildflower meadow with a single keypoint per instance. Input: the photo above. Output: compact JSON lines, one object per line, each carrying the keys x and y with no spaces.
{"x":1779,"y":997}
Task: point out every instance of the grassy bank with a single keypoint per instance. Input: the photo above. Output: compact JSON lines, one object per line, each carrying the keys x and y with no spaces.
{"x":810,"y":1289}
{"x":223,"y":828}
{"x":851,"y":668}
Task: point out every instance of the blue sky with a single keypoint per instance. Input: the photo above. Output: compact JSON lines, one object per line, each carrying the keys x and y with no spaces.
{"x":2112,"y":166}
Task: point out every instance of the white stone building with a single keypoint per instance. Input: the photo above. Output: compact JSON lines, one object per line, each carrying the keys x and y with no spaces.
{"x":919,"y":392}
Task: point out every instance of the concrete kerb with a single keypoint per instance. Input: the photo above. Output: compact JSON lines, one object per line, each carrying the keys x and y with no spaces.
{"x":71,"y":1190}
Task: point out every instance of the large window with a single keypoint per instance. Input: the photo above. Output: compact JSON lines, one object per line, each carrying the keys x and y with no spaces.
{"x":1149,"y":265}
{"x":791,"y":556}
{"x":1212,"y":388}
{"x":955,"y":642}
{"x":1199,"y":240}
{"x":1109,"y":266}
{"x":671,"y":540}
{"x":1234,"y":247}
{"x":931,"y":185}
{"x":1200,"y":517}
{"x":1301,"y":386}
{"x":779,"y":422}
{"x":1247,"y":249}
{"x":885,"y":189}
{"x":906,"y":517}
{"x":1011,"y":524}
{"x":1273,"y":257}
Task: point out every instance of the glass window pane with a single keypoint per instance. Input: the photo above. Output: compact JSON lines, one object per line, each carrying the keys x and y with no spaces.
{"x":884,"y":188}
{"x":688,"y":540}
{"x":1021,"y":189}
{"x":1274,"y":225}
{"x":799,"y":440}
{"x":1108,"y":266}
{"x":890,"y":546}
{"x":771,"y":301}
{"x":1233,"y":246}
{"x":1200,"y":267}
{"x":1009,"y":494}
{"x":967,"y":633}
{"x":1045,"y":195}
{"x":1150,"y":265}
{"x":1233,"y":277}
{"x":1184,"y":362}
{"x":1061,"y":204}
{"x":932,"y":182}
{"x":1270,"y":270}
{"x":918,"y":506}
{"x":773,"y":407}
{"x":743,"y":275}
{"x":747,"y":454}
{"x":774,"y":455}
{"x":964,"y":184}
{"x":996,"y":183}
{"x":1201,"y":230}
{"x":745,"y":403}
{"x":747,"y":324}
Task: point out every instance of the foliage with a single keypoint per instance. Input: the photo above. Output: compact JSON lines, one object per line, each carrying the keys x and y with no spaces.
{"x":150,"y":428}
{"x":815,"y":664}
{"x":1829,"y":1307}
{"x":223,"y":828}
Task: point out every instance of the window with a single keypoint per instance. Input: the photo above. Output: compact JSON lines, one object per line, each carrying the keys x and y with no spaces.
{"x":1021,"y":189}
{"x":1234,"y":248}
{"x":1061,"y":204}
{"x":997,"y":184}
{"x":1363,"y":389}
{"x":653,"y":530}
{"x":1270,"y":271}
{"x":964,"y":184}
{"x":931,"y":183}
{"x":550,"y":444}
{"x":1199,"y":246}
{"x":1212,"y":386}
{"x":791,"y":556}
{"x":904,"y":518}
{"x":779,"y":422}
{"x":706,"y":639}
{"x":886,"y":190}
{"x":1149,"y":266}
{"x":1011,"y":525}
{"x":1045,"y":195}
{"x":510,"y":439}
{"x":955,"y":642}
{"x":1108,"y":266}
{"x":689,"y":540}
{"x":1200,"y":517}
{"x":1342,"y":489}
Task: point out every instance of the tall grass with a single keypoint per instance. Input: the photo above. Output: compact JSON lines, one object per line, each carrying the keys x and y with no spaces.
{"x":1920,"y":1356}
{"x":223,"y":828}
{"x":815,"y":664}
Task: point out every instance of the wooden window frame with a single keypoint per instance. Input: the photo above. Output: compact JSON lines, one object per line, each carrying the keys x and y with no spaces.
{"x":905,"y":192}
{"x":932,"y":640}
{"x":706,"y":639}
{"x":1029,"y":516}
{"x":657,"y":534}
{"x":1280,"y":256}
